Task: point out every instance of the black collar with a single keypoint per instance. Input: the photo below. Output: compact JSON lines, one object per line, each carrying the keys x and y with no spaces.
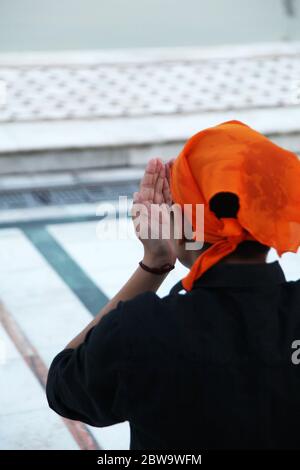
{"x":238,"y":275}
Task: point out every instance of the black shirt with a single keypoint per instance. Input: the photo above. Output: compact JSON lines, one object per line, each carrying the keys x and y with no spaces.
{"x":209,"y":369}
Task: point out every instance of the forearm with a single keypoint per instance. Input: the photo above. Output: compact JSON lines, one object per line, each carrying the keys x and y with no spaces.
{"x":141,"y":281}
{"x":154,"y":190}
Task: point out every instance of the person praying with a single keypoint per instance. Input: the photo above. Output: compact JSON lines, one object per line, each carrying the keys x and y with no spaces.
{"x":208,"y":366}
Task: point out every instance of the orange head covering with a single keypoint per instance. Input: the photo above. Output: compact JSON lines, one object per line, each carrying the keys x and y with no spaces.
{"x":232,"y":157}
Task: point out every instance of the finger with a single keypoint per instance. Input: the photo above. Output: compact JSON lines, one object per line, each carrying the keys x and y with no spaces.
{"x":170,"y":162}
{"x":168,"y":169}
{"x":159,"y":165}
{"x":136,"y":199}
{"x":148,"y":180}
{"x":135,"y":196}
{"x":158,"y":189}
{"x":167,"y":187}
{"x":167,"y":192}
{"x":150,"y":170}
{"x":168,"y":173}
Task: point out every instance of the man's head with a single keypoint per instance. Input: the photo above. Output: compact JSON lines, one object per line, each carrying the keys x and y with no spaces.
{"x":224,"y":205}
{"x":249,"y":188}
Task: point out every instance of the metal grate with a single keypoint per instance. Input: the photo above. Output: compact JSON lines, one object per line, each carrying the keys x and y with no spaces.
{"x":65,"y":195}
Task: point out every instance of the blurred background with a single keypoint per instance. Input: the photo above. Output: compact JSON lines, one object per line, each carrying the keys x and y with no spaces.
{"x":93,"y":24}
{"x":89,"y":91}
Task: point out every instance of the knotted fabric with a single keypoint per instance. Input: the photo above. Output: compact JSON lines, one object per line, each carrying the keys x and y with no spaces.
{"x":232,"y":157}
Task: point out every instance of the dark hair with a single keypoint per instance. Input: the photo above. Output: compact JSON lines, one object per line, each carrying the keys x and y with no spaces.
{"x":225,"y":204}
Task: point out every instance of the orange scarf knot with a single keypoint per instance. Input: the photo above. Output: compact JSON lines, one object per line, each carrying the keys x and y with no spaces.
{"x":234,"y":158}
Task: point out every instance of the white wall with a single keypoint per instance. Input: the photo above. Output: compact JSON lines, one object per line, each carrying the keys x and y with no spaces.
{"x":92,"y":24}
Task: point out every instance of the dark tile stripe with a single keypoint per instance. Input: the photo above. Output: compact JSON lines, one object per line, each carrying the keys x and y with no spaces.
{"x":70,"y":272}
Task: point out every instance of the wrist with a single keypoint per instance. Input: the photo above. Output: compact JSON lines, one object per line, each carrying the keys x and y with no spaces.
{"x":153,"y":261}
{"x":163,"y":270}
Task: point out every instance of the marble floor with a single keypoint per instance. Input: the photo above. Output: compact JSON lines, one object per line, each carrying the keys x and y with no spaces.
{"x":41,"y":310}
{"x":53,"y":278}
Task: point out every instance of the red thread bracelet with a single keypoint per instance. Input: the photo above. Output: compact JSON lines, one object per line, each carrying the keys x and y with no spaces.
{"x":165,"y":268}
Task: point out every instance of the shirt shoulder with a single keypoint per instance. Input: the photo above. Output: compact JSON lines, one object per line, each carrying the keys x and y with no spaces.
{"x":290,"y":291}
{"x":294,"y":285}
{"x":290,"y":299}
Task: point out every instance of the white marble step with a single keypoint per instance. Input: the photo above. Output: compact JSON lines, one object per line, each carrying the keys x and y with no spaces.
{"x":99,"y":109}
{"x":150,"y":84}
